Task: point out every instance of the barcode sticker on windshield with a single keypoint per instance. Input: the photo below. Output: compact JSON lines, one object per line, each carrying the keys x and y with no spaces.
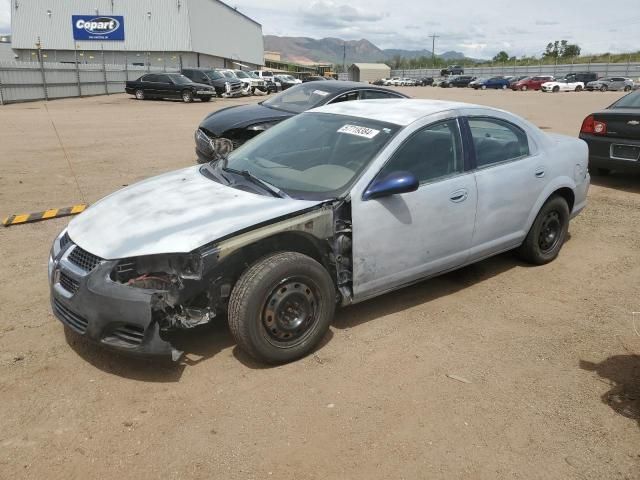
{"x":321,"y":93}
{"x":359,"y":131}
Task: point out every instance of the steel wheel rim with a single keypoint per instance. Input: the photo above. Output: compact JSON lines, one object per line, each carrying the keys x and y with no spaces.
{"x":550,"y":232}
{"x":290,"y":311}
{"x":186,"y":96}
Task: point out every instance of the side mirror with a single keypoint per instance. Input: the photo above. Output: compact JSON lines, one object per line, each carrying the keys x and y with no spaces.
{"x":394,"y":183}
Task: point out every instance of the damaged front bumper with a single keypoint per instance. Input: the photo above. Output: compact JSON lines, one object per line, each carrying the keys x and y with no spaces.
{"x":87,"y":301}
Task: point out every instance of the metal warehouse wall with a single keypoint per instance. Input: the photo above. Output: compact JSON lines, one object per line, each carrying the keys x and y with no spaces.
{"x":218,"y":29}
{"x":205,"y":26}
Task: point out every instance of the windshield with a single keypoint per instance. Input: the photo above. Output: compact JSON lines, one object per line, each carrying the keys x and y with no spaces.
{"x":299,"y":98}
{"x":290,"y":78}
{"x":241,"y":74}
{"x":228,"y":74}
{"x":180,"y":79}
{"x":322,"y":156}
{"x":213,"y":75}
{"x":631,"y":100}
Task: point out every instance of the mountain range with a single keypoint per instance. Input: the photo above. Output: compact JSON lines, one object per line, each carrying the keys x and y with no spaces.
{"x":330,"y":50}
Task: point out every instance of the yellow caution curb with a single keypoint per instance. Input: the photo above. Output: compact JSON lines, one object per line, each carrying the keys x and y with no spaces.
{"x":46,"y":215}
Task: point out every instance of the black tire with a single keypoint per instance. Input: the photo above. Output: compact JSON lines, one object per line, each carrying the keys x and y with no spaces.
{"x":604,"y":88}
{"x":139,"y":94}
{"x":265,"y":297}
{"x":548,"y":232}
{"x":206,"y":99}
{"x":602,"y":172}
{"x":627,"y":88}
{"x":578,"y":88}
{"x":523,"y":88}
{"x":555,"y":89}
{"x":187,"y":96}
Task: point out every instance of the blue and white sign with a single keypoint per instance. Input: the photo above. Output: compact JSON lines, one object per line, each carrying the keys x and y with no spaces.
{"x":90,"y":27}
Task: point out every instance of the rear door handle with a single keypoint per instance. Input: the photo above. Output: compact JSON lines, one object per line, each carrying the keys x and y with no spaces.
{"x":459,"y":195}
{"x":539,"y":172}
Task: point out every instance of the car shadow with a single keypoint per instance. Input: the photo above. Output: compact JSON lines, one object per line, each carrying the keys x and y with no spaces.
{"x":426,"y":290}
{"x":198,"y":345}
{"x":623,"y":371}
{"x":627,"y":182}
{"x":204,"y":342}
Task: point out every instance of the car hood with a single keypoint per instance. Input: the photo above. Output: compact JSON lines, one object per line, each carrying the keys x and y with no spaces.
{"x":173,"y":213}
{"x":240,"y":117}
{"x":201,"y":85}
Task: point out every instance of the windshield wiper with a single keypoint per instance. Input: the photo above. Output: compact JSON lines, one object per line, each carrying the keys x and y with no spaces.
{"x":273,"y":190}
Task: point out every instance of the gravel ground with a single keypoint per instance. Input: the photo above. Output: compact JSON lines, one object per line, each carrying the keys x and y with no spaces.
{"x":548,"y":356}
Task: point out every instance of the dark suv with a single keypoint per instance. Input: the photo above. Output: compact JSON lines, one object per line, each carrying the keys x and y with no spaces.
{"x":584,"y":77}
{"x":457,"y":81}
{"x":217,"y":80}
{"x":452,"y":70}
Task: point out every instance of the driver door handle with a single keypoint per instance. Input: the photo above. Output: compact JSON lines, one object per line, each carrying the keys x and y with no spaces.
{"x":459,"y":195}
{"x":539,"y":172}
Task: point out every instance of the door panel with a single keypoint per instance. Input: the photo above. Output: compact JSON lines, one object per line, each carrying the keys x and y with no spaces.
{"x":401,"y":238}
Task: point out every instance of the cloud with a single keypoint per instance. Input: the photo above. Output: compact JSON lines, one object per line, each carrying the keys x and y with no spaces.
{"x":5,"y":16}
{"x":330,"y":14}
{"x":547,"y":22}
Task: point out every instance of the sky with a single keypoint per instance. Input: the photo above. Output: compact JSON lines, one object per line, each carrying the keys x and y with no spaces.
{"x":478,"y":29}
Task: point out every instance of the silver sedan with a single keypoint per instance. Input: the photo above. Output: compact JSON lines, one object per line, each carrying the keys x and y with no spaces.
{"x":327,"y":209}
{"x":611,"y":83}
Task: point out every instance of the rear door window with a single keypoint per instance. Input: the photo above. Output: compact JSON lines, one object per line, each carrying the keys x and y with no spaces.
{"x":497,"y":141}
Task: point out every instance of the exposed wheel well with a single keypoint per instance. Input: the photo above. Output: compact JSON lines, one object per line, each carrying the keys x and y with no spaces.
{"x":568,"y":195}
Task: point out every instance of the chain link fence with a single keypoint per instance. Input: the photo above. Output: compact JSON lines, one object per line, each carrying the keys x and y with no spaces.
{"x":26,"y":81}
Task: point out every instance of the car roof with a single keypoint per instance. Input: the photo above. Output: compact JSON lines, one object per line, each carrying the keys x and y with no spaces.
{"x":401,"y":111}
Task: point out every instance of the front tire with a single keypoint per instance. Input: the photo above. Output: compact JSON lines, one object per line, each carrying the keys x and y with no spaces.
{"x":548,"y":232}
{"x":483,"y":87}
{"x":139,"y":93}
{"x":523,"y":88}
{"x":187,"y":96}
{"x":578,"y":88}
{"x":604,"y":88}
{"x":555,"y":89}
{"x":627,"y":88}
{"x":281,"y":307}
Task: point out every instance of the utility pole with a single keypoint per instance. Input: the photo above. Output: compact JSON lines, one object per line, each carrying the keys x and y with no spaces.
{"x":433,"y":48}
{"x":344,"y":57}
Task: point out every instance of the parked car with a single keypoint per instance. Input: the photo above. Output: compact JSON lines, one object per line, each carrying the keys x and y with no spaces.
{"x":452,"y":70}
{"x":493,"y":82}
{"x":394,"y":81}
{"x":613,"y":136}
{"x":285,"y":81}
{"x":379,"y":82}
{"x":610,"y":83}
{"x":250,"y":82}
{"x":337,"y":206}
{"x":531,"y":83}
{"x":408,"y":82}
{"x":515,"y":79}
{"x":457,"y":81}
{"x":424,"y":81}
{"x":562,"y":86}
{"x":214,"y":78}
{"x":584,"y":77}
{"x":243,"y":122}
{"x":477,"y":81}
{"x":168,"y":85}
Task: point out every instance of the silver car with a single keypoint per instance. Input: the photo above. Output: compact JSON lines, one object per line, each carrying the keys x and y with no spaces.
{"x":611,"y":83}
{"x":330,"y":208}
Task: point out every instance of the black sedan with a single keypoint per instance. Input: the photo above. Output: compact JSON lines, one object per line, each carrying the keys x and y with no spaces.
{"x":613,"y":136}
{"x":168,"y":85}
{"x":286,"y":81}
{"x":457,"y":81}
{"x":424,"y":81}
{"x":243,"y":122}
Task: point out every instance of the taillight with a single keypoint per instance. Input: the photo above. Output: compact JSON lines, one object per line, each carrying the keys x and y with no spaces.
{"x":591,"y":125}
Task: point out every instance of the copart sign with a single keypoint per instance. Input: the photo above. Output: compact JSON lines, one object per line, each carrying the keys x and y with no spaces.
{"x":91,"y":27}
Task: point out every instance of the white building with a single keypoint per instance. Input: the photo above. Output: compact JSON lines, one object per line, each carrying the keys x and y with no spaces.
{"x":151,"y":32}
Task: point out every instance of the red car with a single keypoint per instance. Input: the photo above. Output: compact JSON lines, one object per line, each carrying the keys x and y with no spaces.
{"x":531,"y":83}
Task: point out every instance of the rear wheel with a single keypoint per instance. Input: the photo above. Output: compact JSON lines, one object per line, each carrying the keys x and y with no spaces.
{"x":139,"y":94}
{"x":187,"y":96}
{"x":281,"y":307}
{"x":548,"y":232}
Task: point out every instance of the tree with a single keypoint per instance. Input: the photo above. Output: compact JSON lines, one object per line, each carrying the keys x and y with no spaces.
{"x":562,"y":49}
{"x":501,"y":57}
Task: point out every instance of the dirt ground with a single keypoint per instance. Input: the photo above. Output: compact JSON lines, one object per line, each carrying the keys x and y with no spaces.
{"x":550,"y":353}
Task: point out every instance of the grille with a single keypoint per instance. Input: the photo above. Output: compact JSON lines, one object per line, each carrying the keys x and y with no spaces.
{"x":131,"y":335}
{"x":83,"y":259}
{"x":65,"y":240}
{"x":69,"y":318}
{"x":68,"y":283}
